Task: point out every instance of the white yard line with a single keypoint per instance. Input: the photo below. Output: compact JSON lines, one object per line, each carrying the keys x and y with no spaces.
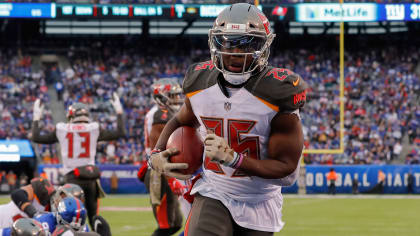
{"x":117,"y":208}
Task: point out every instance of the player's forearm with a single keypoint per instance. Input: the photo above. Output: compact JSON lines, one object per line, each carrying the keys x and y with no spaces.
{"x":108,"y":135}
{"x":184,"y":117}
{"x":48,"y":138}
{"x":120,"y":126}
{"x":268,"y":169}
{"x":284,"y":150}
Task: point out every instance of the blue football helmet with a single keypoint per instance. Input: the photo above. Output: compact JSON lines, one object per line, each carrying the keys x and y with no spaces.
{"x":71,"y":212}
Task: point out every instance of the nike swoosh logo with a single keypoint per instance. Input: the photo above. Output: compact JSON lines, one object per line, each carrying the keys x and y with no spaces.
{"x":296,"y":82}
{"x":96,"y":224}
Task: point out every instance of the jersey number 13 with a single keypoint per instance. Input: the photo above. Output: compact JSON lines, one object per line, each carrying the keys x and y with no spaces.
{"x":84,"y":144}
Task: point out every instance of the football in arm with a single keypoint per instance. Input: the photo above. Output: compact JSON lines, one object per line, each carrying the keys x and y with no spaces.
{"x":188,"y":141}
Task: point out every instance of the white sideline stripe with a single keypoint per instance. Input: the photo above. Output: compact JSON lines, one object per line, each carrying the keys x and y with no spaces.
{"x":116,"y":208}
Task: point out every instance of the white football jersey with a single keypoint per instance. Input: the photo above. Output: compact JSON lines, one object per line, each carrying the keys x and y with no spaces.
{"x":244,"y":121}
{"x":78,"y":142}
{"x":10,"y":213}
{"x":148,"y":122}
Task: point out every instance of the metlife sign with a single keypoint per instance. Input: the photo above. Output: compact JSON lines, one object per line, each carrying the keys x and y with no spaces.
{"x":330,"y":12}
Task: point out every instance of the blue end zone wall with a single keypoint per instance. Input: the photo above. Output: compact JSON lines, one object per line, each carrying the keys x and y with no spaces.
{"x":367,"y":175}
{"x":315,"y":179}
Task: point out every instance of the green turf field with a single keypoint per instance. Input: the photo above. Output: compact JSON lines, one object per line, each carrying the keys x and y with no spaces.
{"x":313,"y":216}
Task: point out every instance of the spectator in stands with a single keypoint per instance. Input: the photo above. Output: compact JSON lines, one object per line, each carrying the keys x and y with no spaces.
{"x":396,"y":150}
{"x":59,"y":89}
{"x":46,"y":157}
{"x":381,"y":90}
{"x":23,"y":180}
{"x":11,"y":180}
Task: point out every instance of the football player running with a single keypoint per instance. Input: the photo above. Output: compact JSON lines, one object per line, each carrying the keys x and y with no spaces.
{"x":248,"y":115}
{"x":27,"y":201}
{"x":167,"y":94}
{"x":78,"y":141}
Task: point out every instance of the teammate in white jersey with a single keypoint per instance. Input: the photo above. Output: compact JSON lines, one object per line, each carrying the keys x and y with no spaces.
{"x":27,"y":201}
{"x":248,"y":114}
{"x":78,"y":140}
{"x":164,"y":192}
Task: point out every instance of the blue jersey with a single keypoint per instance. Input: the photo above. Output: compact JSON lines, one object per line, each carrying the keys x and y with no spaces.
{"x":48,"y":221}
{"x":6,"y":231}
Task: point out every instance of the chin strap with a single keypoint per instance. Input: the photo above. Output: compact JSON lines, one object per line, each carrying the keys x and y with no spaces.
{"x":236,"y":79}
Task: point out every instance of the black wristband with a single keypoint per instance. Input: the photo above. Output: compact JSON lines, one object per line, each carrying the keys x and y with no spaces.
{"x":30,"y":210}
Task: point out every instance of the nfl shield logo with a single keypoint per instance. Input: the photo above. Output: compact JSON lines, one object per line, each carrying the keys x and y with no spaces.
{"x":228,"y":105}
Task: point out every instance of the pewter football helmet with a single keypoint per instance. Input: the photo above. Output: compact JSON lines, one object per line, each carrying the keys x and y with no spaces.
{"x":78,"y":112}
{"x":67,"y":190}
{"x":167,"y":93}
{"x":243,"y":27}
{"x":27,"y":227}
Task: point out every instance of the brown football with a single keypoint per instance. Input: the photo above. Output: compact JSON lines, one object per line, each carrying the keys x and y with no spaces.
{"x":187,"y":140}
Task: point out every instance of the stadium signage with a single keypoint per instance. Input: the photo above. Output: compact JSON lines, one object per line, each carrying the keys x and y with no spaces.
{"x":399,"y":12}
{"x":9,"y":153}
{"x":211,"y":10}
{"x":320,"y":12}
{"x":319,"y":179}
{"x":148,"y":11}
{"x":214,"y":10}
{"x":303,"y":12}
{"x":27,"y":10}
{"x":396,"y":180}
{"x":414,"y":12}
{"x":13,"y":150}
{"x":395,"y":11}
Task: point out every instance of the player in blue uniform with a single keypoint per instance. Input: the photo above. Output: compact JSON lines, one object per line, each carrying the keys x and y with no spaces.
{"x":70,"y":212}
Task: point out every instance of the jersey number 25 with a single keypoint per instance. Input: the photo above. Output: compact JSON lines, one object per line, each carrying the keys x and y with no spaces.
{"x":235,"y":128}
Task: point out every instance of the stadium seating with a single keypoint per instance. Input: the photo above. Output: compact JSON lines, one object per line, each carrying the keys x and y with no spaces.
{"x":380,"y":97}
{"x":19,"y":88}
